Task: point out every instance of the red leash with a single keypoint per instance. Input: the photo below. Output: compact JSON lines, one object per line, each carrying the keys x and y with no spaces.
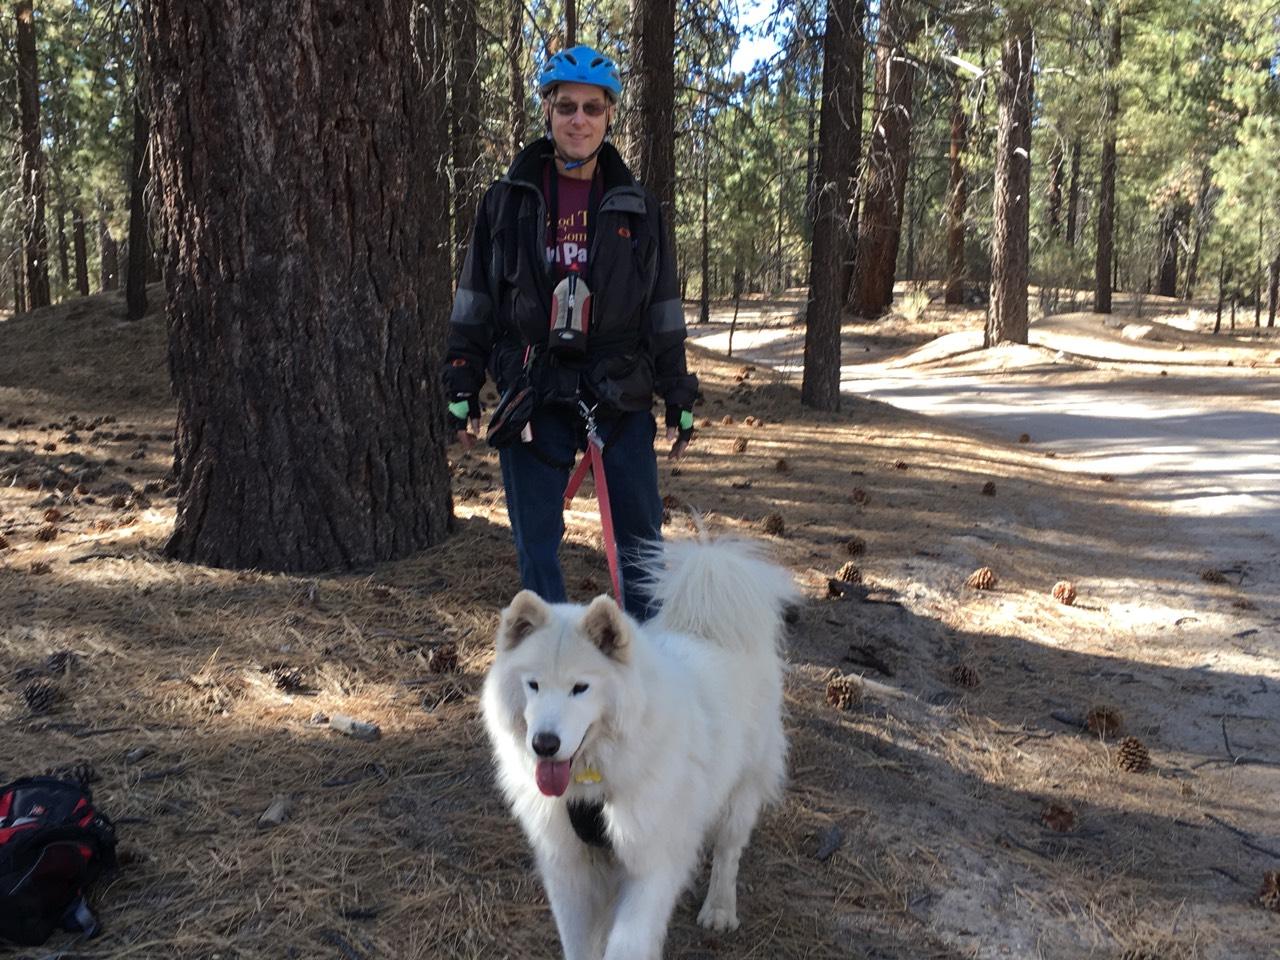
{"x":593,"y":460}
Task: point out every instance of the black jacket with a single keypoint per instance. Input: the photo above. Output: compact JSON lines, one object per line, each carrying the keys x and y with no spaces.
{"x":635,"y":345}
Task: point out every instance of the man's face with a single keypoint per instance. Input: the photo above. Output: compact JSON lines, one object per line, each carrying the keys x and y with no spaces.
{"x":579,"y":114}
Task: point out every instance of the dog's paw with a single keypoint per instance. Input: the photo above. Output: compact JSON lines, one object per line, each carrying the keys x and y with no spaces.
{"x":718,"y":918}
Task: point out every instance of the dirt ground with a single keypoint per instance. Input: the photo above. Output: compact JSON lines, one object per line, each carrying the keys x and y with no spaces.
{"x":958,"y":809}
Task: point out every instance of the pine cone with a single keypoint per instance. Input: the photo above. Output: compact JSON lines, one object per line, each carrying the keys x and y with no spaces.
{"x":47,"y":532}
{"x":1269,"y":895}
{"x":858,"y":496}
{"x":60,"y":661}
{"x":52,"y":515}
{"x":1133,"y":756}
{"x":740,"y":445}
{"x":119,"y":502}
{"x":1104,"y":721}
{"x":849,"y":573}
{"x":444,"y":659}
{"x":1025,"y":438}
{"x":855,"y":546}
{"x":1064,"y":591}
{"x":41,"y":566}
{"x":1059,"y":818}
{"x":782,"y":466}
{"x":773,"y":525}
{"x":82,"y":773}
{"x":899,"y":464}
{"x":4,"y":542}
{"x":287,"y":678}
{"x":40,"y":696}
{"x":989,"y":489}
{"x":726,"y":420}
{"x":704,"y":422}
{"x":844,"y":693}
{"x":964,"y":675}
{"x":1213,"y":576}
{"x":984,"y":578}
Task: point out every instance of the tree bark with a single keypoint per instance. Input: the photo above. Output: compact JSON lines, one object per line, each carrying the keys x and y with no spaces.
{"x":839,"y":130}
{"x":957,"y":196}
{"x":82,"y":251}
{"x":1107,"y":187}
{"x":884,"y":186}
{"x":110,"y":255}
{"x":139,"y":242}
{"x":1273,"y":291}
{"x":35,"y":241}
{"x":1055,"y":189}
{"x":1011,"y":214}
{"x":304,"y":204}
{"x":1167,"y":280}
{"x":464,"y":125}
{"x":570,"y":24}
{"x":19,"y":293}
{"x":652,"y":86}
{"x":64,"y":248}
{"x":1073,"y":195}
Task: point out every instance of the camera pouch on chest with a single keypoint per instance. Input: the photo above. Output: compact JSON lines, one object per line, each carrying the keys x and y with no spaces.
{"x":570,"y":318}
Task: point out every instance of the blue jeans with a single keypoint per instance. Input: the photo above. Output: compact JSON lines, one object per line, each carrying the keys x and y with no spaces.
{"x":535,"y":498}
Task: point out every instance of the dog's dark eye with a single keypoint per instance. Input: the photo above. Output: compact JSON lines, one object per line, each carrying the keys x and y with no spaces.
{"x":533,"y":685}
{"x":579,"y":688}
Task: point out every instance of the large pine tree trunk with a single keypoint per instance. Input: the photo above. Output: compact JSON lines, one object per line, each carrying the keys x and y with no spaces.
{"x":64,"y":248}
{"x":957,"y":196}
{"x":464,"y":125}
{"x":139,"y":243}
{"x":1073,"y":195}
{"x":81,"y":246}
{"x":304,"y":204}
{"x":1011,"y":212}
{"x":884,"y":186}
{"x":1107,"y":187}
{"x":651,"y":92}
{"x":1273,"y":292}
{"x":842,"y":61}
{"x":1167,"y":279}
{"x":35,"y":241}
{"x":1055,"y":188}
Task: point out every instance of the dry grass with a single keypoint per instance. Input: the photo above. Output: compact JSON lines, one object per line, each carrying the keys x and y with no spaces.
{"x":401,"y":848}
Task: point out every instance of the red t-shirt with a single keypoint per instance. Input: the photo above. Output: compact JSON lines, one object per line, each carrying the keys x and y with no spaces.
{"x":571,"y":226}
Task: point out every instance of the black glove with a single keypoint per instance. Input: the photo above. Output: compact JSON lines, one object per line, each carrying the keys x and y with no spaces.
{"x":681,"y":420}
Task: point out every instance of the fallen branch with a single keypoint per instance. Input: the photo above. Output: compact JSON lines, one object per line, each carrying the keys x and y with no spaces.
{"x":1245,"y":838}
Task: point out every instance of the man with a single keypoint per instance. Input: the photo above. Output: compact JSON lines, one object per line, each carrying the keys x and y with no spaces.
{"x":569,"y":297}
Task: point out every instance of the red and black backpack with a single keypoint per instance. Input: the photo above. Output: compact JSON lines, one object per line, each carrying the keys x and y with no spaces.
{"x":53,"y":844}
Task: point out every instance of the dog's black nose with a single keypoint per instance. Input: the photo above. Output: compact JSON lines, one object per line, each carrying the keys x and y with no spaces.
{"x":546,"y":744}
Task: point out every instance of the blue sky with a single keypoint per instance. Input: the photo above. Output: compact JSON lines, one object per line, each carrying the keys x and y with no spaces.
{"x":752,"y":14}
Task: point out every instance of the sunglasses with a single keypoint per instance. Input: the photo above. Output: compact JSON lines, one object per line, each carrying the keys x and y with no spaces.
{"x":592,"y":108}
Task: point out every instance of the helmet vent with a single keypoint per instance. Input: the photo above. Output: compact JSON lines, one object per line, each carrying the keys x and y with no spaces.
{"x":596,"y":62}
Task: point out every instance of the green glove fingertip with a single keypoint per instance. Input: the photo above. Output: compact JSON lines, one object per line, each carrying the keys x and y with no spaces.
{"x":686,"y":419}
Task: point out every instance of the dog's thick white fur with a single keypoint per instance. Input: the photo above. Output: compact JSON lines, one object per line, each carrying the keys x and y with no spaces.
{"x":675,"y":726}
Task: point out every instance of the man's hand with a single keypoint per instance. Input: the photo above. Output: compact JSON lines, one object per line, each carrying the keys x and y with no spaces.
{"x":464,"y":420}
{"x":679,"y":430}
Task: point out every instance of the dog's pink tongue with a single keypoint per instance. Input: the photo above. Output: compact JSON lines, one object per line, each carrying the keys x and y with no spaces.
{"x":552,"y":777}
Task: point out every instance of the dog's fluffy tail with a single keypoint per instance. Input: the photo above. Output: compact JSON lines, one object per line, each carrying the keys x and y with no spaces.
{"x":720,"y":590}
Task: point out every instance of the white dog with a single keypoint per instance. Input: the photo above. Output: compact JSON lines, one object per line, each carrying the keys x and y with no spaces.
{"x":622,"y":747}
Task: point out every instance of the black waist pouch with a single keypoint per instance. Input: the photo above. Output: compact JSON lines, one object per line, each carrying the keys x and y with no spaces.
{"x":512,"y":414}
{"x":622,"y":383}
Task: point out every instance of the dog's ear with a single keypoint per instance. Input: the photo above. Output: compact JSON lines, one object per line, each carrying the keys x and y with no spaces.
{"x":606,"y":626}
{"x":526,"y":614}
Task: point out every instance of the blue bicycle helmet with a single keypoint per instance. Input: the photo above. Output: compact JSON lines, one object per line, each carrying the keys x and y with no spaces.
{"x":581,"y":64}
